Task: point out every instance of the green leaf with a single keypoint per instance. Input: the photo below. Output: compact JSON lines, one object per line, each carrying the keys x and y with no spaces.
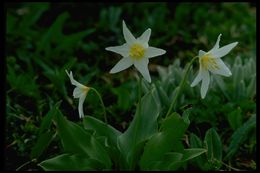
{"x":54,"y":33}
{"x":235,"y":118}
{"x":213,"y":145}
{"x":75,"y":139}
{"x":42,"y":143}
{"x":192,"y":152}
{"x":200,"y":161}
{"x":168,"y":139}
{"x":70,"y":162}
{"x":251,"y":88}
{"x":101,"y":129}
{"x":240,"y":135}
{"x":44,"y":136}
{"x":143,"y":126}
{"x":71,"y":40}
{"x":170,"y":161}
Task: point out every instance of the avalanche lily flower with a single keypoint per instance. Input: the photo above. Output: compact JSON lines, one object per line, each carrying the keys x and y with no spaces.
{"x":210,"y":61}
{"x":135,"y":52}
{"x":79,"y":92}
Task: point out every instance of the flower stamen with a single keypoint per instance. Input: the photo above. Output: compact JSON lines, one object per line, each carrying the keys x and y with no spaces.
{"x":207,"y":61}
{"x":136,"y":51}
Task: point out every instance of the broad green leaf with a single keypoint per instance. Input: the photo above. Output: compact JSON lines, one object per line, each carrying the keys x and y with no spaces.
{"x":75,"y":139}
{"x":168,"y":139}
{"x":170,"y":161}
{"x":235,"y":118}
{"x":213,"y":145}
{"x":142,"y":127}
{"x":101,"y":129}
{"x":191,"y":153}
{"x":240,"y":135}
{"x":163,"y":95}
{"x":70,"y":162}
{"x":200,"y":161}
{"x":173,"y":160}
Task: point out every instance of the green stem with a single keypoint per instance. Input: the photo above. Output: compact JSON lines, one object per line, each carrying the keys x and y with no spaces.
{"x":180,"y":86}
{"x":33,"y":160}
{"x":139,"y":88}
{"x":102,"y":103}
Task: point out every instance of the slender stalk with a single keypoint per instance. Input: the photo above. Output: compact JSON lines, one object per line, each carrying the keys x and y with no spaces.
{"x":26,"y":163}
{"x":102,"y":103}
{"x":180,"y":86}
{"x":139,"y":88}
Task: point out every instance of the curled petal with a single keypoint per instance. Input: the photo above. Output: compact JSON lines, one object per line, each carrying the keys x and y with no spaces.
{"x":197,"y":79}
{"x":80,"y":107}
{"x":222,"y":68}
{"x":218,"y":53}
{"x":216,"y":44}
{"x":142,"y":67}
{"x":205,"y":84}
{"x":201,"y":53}
{"x":77,"y":92}
{"x":74,"y":82}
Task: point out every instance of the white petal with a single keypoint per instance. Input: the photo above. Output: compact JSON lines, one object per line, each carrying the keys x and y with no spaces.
{"x":142,"y":67}
{"x":144,"y":38}
{"x":197,"y":79}
{"x":205,"y":84}
{"x":218,"y":53}
{"x":129,"y":38}
{"x":124,"y":63}
{"x":201,"y":53}
{"x":222,"y":70}
{"x":122,"y":50}
{"x":74,"y":82}
{"x":217,"y":44}
{"x":80,"y":107}
{"x":153,"y":51}
{"x":77,"y":92}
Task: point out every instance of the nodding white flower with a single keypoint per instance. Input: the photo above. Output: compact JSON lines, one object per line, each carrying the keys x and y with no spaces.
{"x":135,"y":51}
{"x":79,"y":92}
{"x":210,"y":61}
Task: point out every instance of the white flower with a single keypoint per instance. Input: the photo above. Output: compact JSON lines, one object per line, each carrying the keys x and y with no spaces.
{"x":135,"y":51}
{"x":210,"y":61}
{"x":79,"y":92}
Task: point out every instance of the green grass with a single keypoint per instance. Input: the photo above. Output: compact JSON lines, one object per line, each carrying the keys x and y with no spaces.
{"x":44,"y":39}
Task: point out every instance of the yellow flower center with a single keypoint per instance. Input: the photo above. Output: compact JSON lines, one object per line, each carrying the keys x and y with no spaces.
{"x":136,"y":51}
{"x":85,"y":89}
{"x":207,"y":61}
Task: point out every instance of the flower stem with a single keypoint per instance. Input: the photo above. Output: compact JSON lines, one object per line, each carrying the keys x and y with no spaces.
{"x":180,"y":86}
{"x":102,"y":103}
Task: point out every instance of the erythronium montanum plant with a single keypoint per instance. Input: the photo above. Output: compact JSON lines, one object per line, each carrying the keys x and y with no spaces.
{"x":210,"y":61}
{"x":81,"y":92}
{"x":145,"y":144}
{"x":135,"y":51}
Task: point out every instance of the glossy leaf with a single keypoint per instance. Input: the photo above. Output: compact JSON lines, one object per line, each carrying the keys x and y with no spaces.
{"x":168,"y":139}
{"x":143,"y":126}
{"x":70,"y":162}
{"x":75,"y":139}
